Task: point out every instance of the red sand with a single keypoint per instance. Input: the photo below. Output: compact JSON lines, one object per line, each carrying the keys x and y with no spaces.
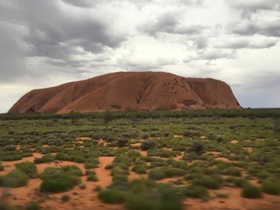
{"x":87,"y":198}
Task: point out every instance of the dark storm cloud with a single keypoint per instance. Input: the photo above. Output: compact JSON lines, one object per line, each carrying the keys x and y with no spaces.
{"x":55,"y":31}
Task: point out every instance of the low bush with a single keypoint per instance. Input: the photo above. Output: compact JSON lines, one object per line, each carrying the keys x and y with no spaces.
{"x":263,"y":175}
{"x":251,"y":191}
{"x":91,"y":163}
{"x":148,"y":144}
{"x":195,"y":191}
{"x":164,"y":197}
{"x":1,"y":167}
{"x":44,"y":159}
{"x":111,"y":196}
{"x":60,"y":179}
{"x":157,"y":174}
{"x":233,"y":171}
{"x":239,"y":182}
{"x":140,"y":168}
{"x":11,"y":157}
{"x":119,"y":179}
{"x":139,"y":185}
{"x":56,"y":185}
{"x":141,"y":201}
{"x":197,"y":146}
{"x":271,"y":188}
{"x":32,"y":206}
{"x":170,"y":172}
{"x":208,"y":182}
{"x":28,"y":168}
{"x":15,"y":178}
{"x":65,"y":198}
{"x":91,"y":176}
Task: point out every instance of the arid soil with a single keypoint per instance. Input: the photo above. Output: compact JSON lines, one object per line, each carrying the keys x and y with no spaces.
{"x":87,"y":198}
{"x":129,"y":91}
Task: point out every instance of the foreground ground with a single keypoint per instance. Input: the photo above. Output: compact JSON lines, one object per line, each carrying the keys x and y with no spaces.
{"x":219,"y":154}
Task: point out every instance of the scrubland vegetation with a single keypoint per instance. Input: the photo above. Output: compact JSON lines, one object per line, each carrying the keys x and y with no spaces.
{"x":197,"y":152}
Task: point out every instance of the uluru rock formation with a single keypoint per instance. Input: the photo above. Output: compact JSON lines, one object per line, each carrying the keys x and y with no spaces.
{"x":129,"y":91}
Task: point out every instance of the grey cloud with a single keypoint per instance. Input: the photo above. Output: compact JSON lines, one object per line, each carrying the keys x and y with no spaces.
{"x":89,"y":4}
{"x":214,"y":54}
{"x":211,"y":55}
{"x":240,"y":43}
{"x":55,"y":32}
{"x":11,"y":52}
{"x":267,"y":28}
{"x":254,"y":5}
{"x":259,"y":90}
{"x":145,"y":65}
{"x":249,"y":8}
{"x":82,"y":3}
{"x":170,"y":23}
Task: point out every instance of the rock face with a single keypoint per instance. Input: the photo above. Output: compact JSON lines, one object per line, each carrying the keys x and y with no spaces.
{"x":129,"y":91}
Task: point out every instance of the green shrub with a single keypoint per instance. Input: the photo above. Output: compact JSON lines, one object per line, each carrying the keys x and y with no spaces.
{"x":148,"y":144}
{"x":197,"y":146}
{"x":208,"y":182}
{"x":50,"y":173}
{"x":67,"y":175}
{"x":75,"y":170}
{"x":91,"y":176}
{"x":140,"y":168}
{"x":156,"y":174}
{"x":271,"y":188}
{"x":79,"y":159}
{"x":142,"y":201}
{"x":263,"y":175}
{"x":56,"y":185}
{"x":251,"y":191}
{"x":111,"y":196}
{"x":117,"y":170}
{"x":33,"y":206}
{"x":233,"y":171}
{"x":91,"y":163}
{"x":195,"y":191}
{"x":170,"y":172}
{"x":119,"y":178}
{"x":12,"y":157}
{"x":28,"y":168}
{"x":139,"y":185}
{"x":164,"y":197}
{"x":15,"y":178}
{"x":1,"y":167}
{"x":240,"y":182}
{"x":122,"y":142}
{"x":44,"y":159}
{"x":65,"y":198}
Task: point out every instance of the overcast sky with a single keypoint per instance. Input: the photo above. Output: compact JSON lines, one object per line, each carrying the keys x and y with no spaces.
{"x":46,"y":43}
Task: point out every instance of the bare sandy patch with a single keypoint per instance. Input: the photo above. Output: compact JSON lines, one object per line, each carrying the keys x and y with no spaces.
{"x":177,"y":136}
{"x":234,"y":141}
{"x":225,"y":159}
{"x":248,"y":149}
